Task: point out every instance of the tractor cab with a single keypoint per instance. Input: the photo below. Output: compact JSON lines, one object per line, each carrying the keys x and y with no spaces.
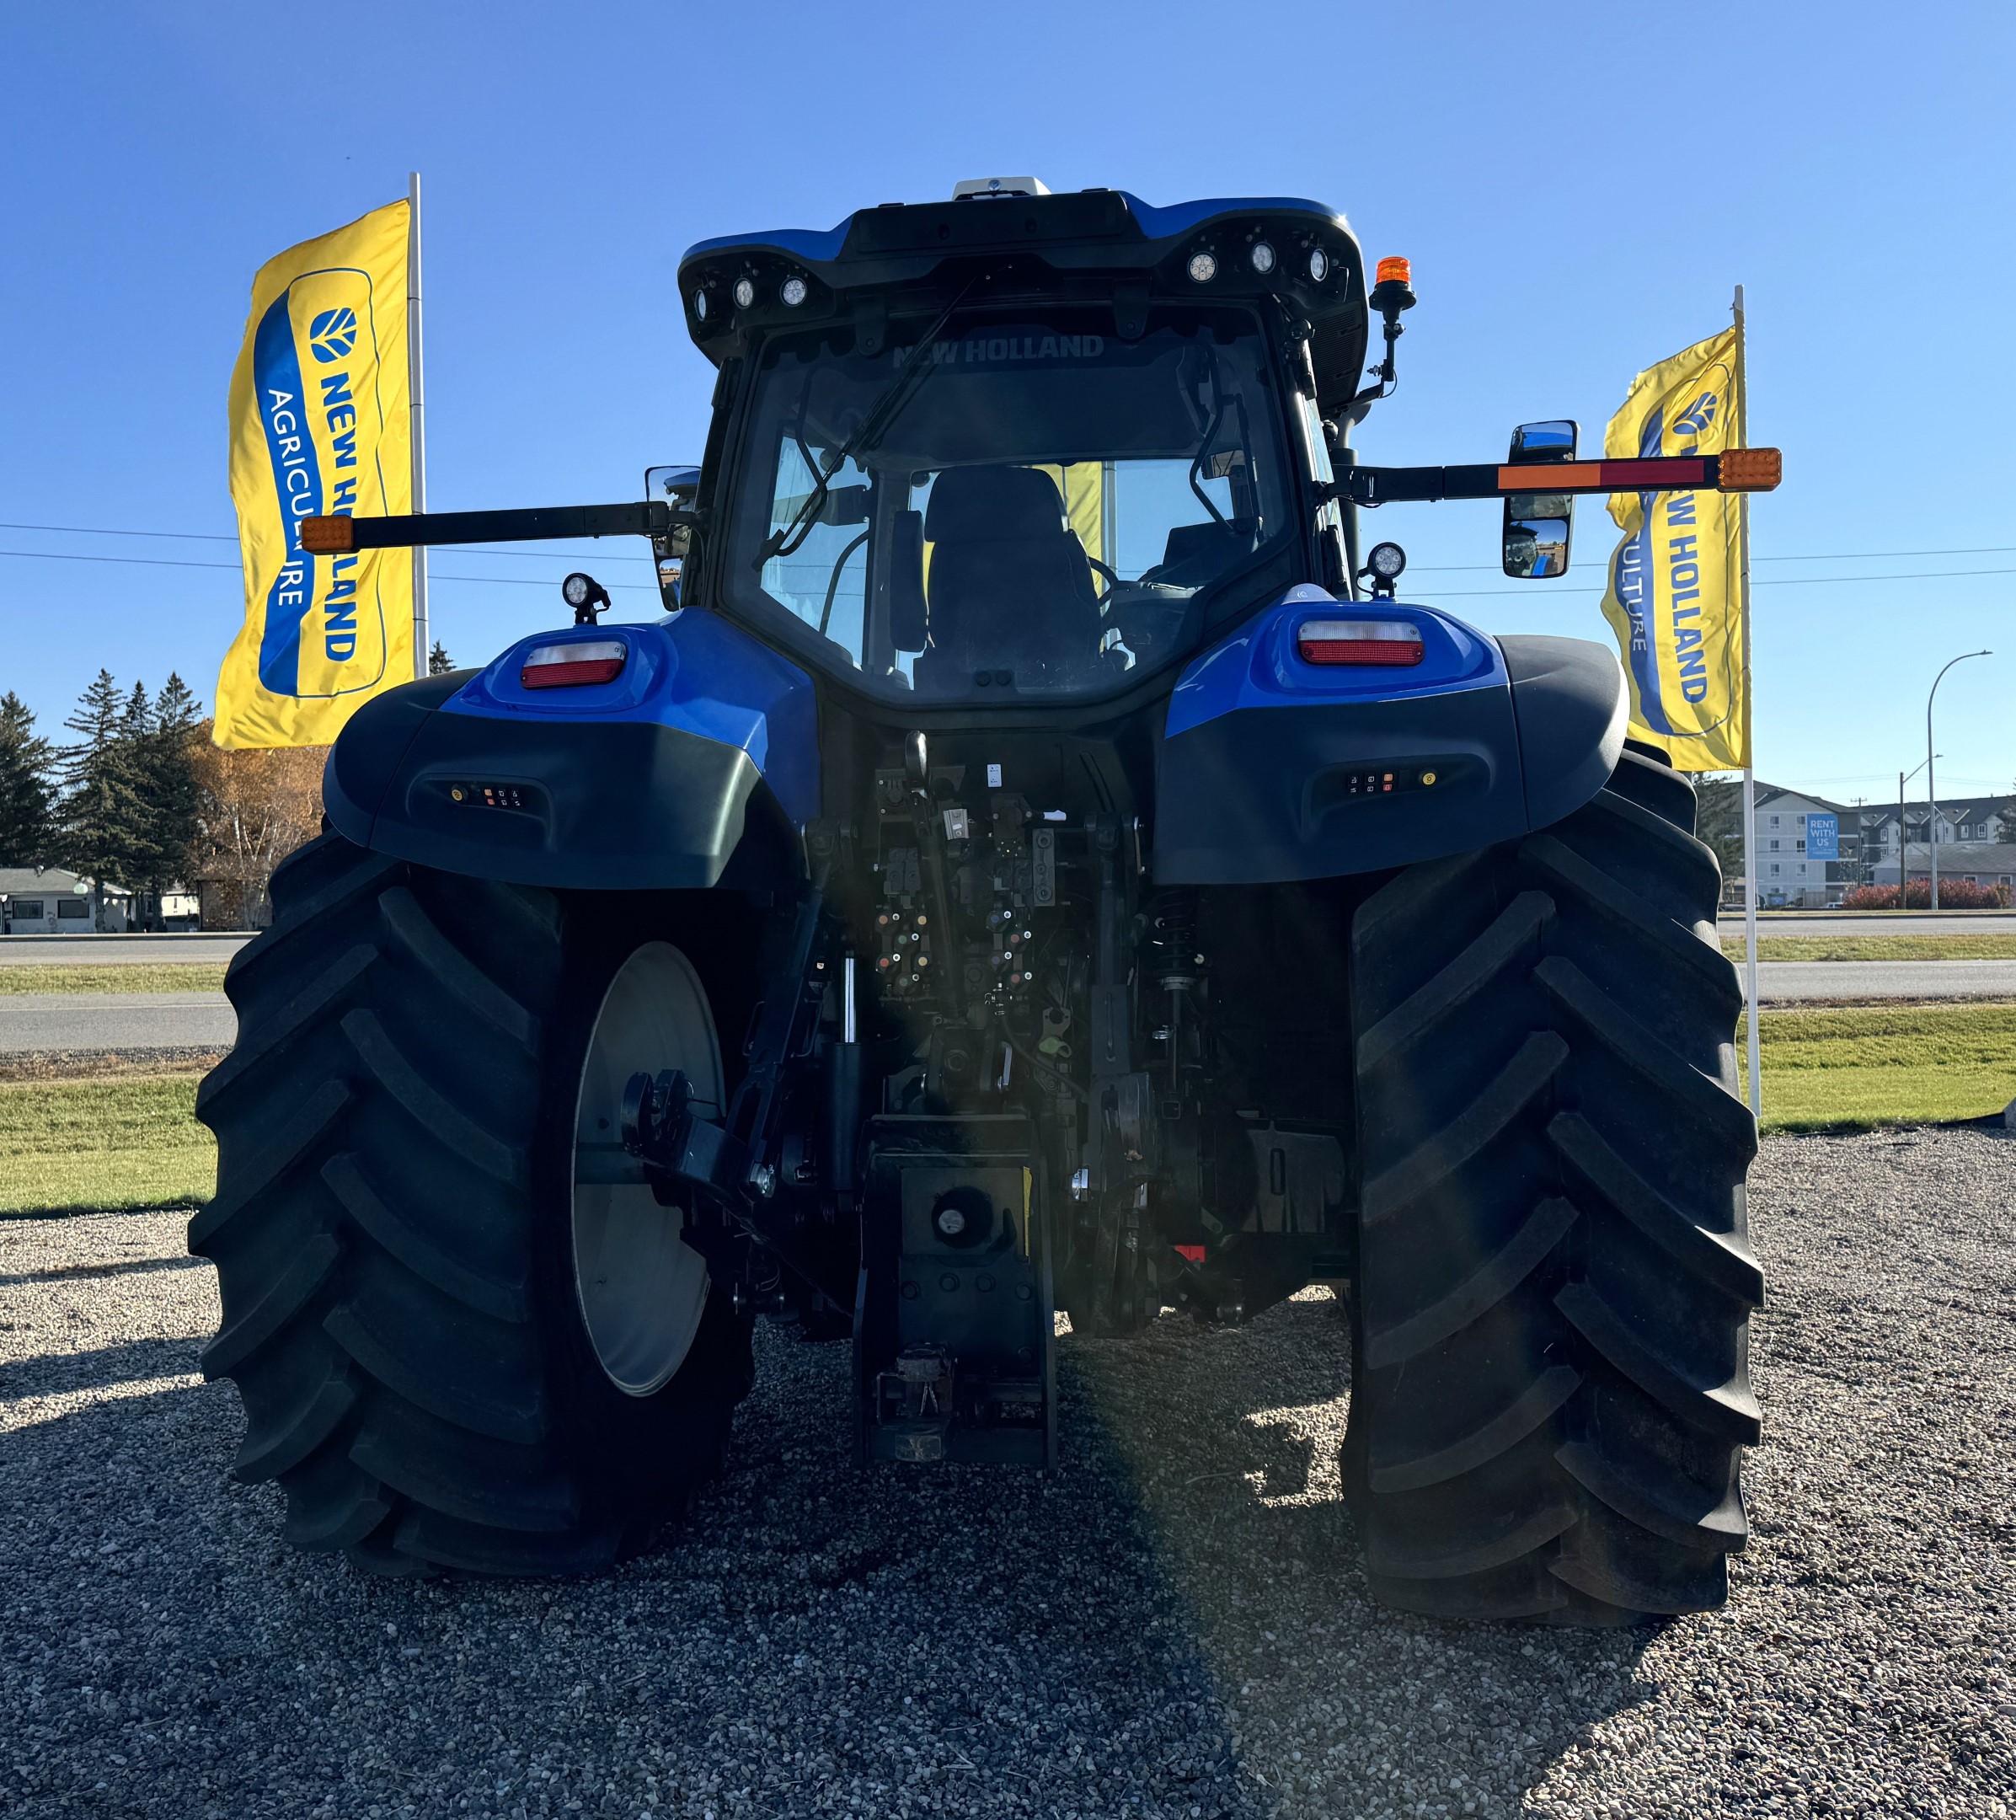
{"x":1021,"y":447}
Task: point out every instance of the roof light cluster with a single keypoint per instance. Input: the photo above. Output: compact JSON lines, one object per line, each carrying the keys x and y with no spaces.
{"x":746,"y":295}
{"x":1203,"y":264}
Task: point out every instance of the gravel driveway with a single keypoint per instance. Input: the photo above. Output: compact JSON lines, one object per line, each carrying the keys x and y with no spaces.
{"x":1175,"y":1624}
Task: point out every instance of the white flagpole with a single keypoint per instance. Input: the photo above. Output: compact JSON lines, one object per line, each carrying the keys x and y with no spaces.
{"x":1750,"y":776}
{"x":422,"y":644}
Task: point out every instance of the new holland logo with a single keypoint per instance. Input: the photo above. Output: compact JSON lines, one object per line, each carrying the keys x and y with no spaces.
{"x":332,"y":335}
{"x":1698,"y":416}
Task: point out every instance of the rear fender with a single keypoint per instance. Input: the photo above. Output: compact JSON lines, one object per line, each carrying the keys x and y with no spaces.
{"x":1272,"y":770}
{"x":698,"y":765}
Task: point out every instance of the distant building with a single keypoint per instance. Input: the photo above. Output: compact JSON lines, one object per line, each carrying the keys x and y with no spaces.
{"x":1974,"y":862}
{"x":1808,"y":849}
{"x":49,"y":901}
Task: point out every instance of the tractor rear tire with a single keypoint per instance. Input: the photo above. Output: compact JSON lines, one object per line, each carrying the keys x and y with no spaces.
{"x":1550,"y":1392}
{"x":404,"y":1240}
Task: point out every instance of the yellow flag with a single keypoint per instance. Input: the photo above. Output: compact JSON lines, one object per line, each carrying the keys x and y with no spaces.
{"x":319,"y":427}
{"x":1674,"y":595}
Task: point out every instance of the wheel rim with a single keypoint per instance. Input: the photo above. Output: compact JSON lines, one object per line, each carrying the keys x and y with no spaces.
{"x":641,"y":1287}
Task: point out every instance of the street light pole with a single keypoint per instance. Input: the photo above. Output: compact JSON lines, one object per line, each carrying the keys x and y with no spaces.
{"x":1931,"y":794}
{"x":1903,"y":872}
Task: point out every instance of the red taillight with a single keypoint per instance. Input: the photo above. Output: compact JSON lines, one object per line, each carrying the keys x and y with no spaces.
{"x":570,"y":666}
{"x":1359,"y":641}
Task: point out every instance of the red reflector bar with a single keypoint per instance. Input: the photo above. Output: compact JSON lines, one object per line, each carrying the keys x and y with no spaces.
{"x":1194,"y":1253}
{"x":1393,"y":642}
{"x":571,"y":666}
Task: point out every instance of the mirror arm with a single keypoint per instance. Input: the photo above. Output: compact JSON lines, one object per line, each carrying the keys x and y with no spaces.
{"x":651,"y":518}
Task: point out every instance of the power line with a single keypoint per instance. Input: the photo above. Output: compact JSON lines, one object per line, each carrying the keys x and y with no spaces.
{"x":217,"y":537}
{"x":1987,"y":549}
{"x":1922,"y":575}
{"x":641,"y":587}
{"x":170,"y":562}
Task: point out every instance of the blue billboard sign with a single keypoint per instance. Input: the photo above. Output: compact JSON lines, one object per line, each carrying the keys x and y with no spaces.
{"x":1823,"y":836}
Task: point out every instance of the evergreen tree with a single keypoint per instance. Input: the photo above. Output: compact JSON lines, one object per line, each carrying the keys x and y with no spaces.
{"x":1719,"y":821}
{"x":439,"y":662}
{"x":100,"y":809}
{"x":160,"y":760}
{"x":28,"y":831}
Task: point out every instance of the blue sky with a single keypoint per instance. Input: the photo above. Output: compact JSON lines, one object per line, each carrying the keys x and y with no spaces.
{"x":1579,"y":193}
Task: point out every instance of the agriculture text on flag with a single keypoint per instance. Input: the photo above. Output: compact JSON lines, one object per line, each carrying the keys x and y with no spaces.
{"x":319,"y":427}
{"x":1675,"y":595}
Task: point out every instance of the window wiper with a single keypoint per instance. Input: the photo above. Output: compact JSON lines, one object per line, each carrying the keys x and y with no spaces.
{"x":786,"y":541}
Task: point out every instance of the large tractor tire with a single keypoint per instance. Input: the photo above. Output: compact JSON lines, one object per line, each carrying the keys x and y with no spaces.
{"x":1550,"y":1393}
{"x":462,"y":1341}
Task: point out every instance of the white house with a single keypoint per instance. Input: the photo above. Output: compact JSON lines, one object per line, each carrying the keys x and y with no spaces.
{"x":48,"y":901}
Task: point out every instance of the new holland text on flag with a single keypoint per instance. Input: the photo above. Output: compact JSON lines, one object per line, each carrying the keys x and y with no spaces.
{"x":1675,"y":591}
{"x":319,"y":427}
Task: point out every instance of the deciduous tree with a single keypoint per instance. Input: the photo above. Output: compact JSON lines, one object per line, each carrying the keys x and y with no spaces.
{"x":254,"y":808}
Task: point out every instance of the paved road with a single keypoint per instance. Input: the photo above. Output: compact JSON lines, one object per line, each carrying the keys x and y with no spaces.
{"x":32,"y":1022}
{"x":1788,"y":981}
{"x":1912,"y":923}
{"x":69,"y":951}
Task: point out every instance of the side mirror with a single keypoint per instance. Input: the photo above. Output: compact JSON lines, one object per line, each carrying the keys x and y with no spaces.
{"x":678,"y":487}
{"x":909,"y":626}
{"x":1538,"y":526}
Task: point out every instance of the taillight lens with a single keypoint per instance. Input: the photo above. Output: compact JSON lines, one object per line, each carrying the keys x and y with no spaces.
{"x":1359,"y":641}
{"x":570,"y":666}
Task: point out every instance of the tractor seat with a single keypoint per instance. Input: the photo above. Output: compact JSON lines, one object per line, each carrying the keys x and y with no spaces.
{"x":1010,"y":588}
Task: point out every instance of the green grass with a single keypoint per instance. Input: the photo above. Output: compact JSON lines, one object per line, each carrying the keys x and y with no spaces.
{"x":113,"y":976}
{"x":1904,"y":1064}
{"x":118,"y":1142}
{"x":130,"y":1140}
{"x":1877,"y":947}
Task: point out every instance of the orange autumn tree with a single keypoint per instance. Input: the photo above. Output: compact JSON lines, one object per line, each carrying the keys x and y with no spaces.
{"x":257,"y":806}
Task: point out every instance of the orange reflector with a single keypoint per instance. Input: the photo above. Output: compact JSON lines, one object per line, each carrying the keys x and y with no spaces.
{"x":1393,"y":642}
{"x":573,"y":665}
{"x":1397,"y":271}
{"x":327,"y":536}
{"x":1751,"y":470}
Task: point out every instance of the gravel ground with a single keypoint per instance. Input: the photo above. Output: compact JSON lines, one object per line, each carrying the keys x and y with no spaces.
{"x":1175,"y":1624}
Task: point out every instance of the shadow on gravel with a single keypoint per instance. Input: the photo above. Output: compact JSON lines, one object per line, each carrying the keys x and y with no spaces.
{"x":1175,"y":1624}
{"x":89,"y":1272}
{"x":1336,"y":1706}
{"x":54,"y":1373}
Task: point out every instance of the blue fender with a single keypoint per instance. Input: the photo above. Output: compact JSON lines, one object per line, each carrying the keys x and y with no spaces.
{"x":1271,"y":768}
{"x":697,"y":765}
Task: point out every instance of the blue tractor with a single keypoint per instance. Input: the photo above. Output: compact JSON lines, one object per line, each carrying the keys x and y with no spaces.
{"x":1035,"y":864}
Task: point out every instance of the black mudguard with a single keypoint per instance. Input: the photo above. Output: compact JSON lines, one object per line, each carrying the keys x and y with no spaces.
{"x":1319,"y":790}
{"x":568,"y":805}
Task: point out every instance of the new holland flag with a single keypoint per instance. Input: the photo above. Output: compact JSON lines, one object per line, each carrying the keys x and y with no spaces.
{"x":319,"y":427}
{"x":1675,"y":595}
